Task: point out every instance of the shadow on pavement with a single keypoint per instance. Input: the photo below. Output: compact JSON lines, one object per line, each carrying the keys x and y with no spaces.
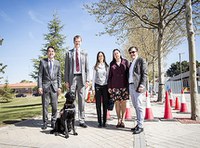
{"x":94,"y":124}
{"x":30,"y":123}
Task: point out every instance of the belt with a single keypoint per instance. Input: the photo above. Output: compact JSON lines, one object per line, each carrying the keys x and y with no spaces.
{"x":79,"y":74}
{"x":131,"y":83}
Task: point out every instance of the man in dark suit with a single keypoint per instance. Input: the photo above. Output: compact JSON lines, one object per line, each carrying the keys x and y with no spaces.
{"x":49,"y":85}
{"x":77,"y":75}
{"x":137,"y":85}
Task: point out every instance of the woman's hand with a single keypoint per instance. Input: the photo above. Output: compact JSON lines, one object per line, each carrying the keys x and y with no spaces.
{"x":110,"y":90}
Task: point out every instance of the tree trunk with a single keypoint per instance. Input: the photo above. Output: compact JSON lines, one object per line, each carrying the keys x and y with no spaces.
{"x":161,"y":90}
{"x":195,"y":102}
{"x":153,"y":84}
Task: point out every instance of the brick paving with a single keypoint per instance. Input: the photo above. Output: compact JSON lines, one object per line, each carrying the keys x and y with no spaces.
{"x":160,"y":134}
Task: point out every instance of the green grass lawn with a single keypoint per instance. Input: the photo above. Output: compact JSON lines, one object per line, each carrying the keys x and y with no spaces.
{"x":22,"y":108}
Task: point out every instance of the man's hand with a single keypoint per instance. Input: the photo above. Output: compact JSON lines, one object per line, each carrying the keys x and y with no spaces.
{"x":40,"y":90}
{"x":93,"y":92}
{"x":86,"y":84}
{"x":59,"y":91}
{"x":141,"y":89}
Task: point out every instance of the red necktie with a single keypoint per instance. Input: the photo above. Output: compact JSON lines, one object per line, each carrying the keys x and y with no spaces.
{"x":77,"y":61}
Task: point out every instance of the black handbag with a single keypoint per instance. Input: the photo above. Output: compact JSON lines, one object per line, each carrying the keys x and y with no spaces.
{"x":110,"y":104}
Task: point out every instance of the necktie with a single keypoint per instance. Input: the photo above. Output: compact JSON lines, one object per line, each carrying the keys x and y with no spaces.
{"x":77,"y":61}
{"x":50,"y":68}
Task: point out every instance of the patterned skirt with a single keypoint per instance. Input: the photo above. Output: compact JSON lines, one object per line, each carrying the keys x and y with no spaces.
{"x":119,"y":94}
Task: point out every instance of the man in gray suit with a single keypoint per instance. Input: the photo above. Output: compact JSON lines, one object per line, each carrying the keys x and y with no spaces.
{"x":49,"y":85}
{"x":77,"y":75}
{"x":137,"y":85}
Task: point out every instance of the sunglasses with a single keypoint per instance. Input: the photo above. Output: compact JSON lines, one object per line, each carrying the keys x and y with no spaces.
{"x":132,"y":52}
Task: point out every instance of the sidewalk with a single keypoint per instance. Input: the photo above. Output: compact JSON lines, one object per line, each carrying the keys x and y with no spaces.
{"x":174,"y":134}
{"x":28,"y":134}
{"x":160,"y":134}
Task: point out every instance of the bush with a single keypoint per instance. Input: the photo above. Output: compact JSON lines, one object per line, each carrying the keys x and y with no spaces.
{"x":6,"y":94}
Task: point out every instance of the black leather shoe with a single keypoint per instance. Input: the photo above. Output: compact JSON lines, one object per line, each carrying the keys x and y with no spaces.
{"x":104,"y":125}
{"x":138,"y":130}
{"x":133,"y":129}
{"x":100,"y":125}
{"x":83,"y":125}
{"x":52,"y":126}
{"x":44,"y":126}
{"x":122,"y":125}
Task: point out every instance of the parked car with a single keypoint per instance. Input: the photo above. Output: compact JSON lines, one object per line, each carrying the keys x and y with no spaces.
{"x":36,"y":94}
{"x":20,"y":95}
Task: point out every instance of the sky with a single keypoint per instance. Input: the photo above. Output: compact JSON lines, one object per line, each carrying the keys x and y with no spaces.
{"x":23,"y":24}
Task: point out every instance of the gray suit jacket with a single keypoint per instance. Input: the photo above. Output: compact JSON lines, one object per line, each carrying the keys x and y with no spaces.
{"x":140,"y":73}
{"x":69,"y":66}
{"x":44,"y":78}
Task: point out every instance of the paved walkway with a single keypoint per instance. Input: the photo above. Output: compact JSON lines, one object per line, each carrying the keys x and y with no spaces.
{"x":159,"y":134}
{"x":180,"y":133}
{"x":29,"y":134}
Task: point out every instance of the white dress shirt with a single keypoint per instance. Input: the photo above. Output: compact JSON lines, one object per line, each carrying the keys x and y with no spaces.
{"x":131,"y":71}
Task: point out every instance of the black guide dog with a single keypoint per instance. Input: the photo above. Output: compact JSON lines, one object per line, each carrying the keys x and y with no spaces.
{"x":66,"y":122}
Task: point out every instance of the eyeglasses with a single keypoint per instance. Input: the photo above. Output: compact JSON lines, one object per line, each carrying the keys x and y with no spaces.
{"x":132,"y":52}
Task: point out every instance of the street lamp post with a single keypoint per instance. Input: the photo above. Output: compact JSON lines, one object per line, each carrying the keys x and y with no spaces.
{"x":181,"y":70}
{"x":1,"y":41}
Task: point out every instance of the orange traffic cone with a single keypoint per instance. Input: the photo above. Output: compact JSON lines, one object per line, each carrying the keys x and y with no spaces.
{"x":88,"y":98}
{"x":183,"y":102}
{"x":177,"y":105}
{"x":128,"y":111}
{"x":148,"y":113}
{"x":171,"y":100}
{"x":108,"y":115}
{"x":167,"y":113}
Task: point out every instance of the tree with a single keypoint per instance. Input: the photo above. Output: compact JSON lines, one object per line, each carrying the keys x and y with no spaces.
{"x":6,"y":93}
{"x":26,"y":81}
{"x":165,"y":17}
{"x":174,"y":69}
{"x":195,"y":102}
{"x":53,"y":38}
{"x":145,"y":40}
{"x":2,"y":68}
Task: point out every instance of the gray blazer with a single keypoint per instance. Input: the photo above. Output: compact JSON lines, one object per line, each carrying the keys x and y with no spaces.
{"x":69,"y":66}
{"x":140,"y":73}
{"x":44,"y":78}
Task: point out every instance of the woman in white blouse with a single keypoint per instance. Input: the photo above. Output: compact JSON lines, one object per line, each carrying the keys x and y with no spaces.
{"x":99,"y":85}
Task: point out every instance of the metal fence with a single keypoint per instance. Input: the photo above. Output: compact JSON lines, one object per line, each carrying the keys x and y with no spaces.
{"x":175,"y":86}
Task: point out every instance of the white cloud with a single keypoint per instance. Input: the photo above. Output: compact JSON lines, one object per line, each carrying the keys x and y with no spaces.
{"x":35,"y":17}
{"x":6,"y":17}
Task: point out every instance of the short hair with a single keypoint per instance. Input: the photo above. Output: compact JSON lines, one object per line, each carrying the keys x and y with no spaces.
{"x":50,"y":47}
{"x":76,"y":37}
{"x":132,"y":48}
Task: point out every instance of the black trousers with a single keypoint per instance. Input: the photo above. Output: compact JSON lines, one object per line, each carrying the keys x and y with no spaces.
{"x":101,"y":95}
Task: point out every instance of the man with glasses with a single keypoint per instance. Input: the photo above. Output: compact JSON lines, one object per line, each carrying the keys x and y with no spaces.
{"x":137,"y":85}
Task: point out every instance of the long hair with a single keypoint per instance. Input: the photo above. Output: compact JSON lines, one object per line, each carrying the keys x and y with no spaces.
{"x":97,"y":61}
{"x":114,"y":60}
